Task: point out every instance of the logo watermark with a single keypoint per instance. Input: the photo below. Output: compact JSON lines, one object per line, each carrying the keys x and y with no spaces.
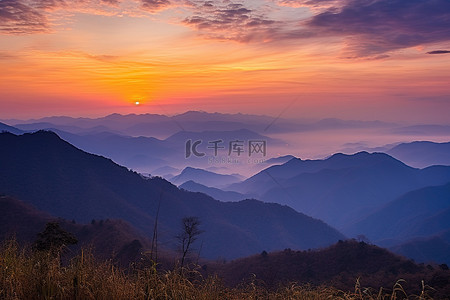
{"x":228,"y":152}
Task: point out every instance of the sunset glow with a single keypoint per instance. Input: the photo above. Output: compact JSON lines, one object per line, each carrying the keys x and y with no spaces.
{"x":93,"y":57}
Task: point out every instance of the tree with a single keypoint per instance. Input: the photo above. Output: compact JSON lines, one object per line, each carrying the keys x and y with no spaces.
{"x":154,"y":249}
{"x":362,"y":238}
{"x":53,"y":238}
{"x":190,"y":232}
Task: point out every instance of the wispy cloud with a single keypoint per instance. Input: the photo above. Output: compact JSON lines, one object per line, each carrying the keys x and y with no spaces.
{"x":155,"y":5}
{"x":36,"y":16}
{"x":229,"y":20}
{"x":375,"y":27}
{"x":439,"y":52}
{"x":112,"y":2}
{"x":18,"y":18}
{"x":49,"y":4}
{"x":313,"y":4}
{"x":69,"y":4}
{"x":366,"y":28}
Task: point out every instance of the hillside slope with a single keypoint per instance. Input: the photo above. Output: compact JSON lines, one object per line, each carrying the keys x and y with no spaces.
{"x":58,"y":178}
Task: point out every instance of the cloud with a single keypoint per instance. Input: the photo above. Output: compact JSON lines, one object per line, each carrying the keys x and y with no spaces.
{"x":33,"y":16}
{"x":48,"y":4}
{"x":72,"y":5}
{"x":314,"y":4}
{"x":373,"y":27}
{"x":368,"y":28}
{"x":439,"y":52}
{"x":155,"y":5}
{"x":19,"y":18}
{"x":228,"y":20}
{"x":112,"y":2}
{"x":7,"y":55}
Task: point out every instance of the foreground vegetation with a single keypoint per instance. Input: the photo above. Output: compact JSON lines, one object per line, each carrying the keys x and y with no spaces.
{"x":27,"y":274}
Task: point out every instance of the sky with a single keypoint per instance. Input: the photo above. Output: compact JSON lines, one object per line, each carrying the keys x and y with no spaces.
{"x":352,"y":59}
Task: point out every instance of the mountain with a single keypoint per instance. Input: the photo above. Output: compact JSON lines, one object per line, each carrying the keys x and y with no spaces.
{"x":342,"y":188}
{"x":148,"y":154}
{"x":333,"y":123}
{"x":339,"y":265}
{"x":216,"y":193}
{"x":224,"y":140}
{"x":5,"y":127}
{"x":107,"y":238}
{"x":67,"y":128}
{"x":204,"y":177}
{"x":431,"y":249}
{"x":142,"y":154}
{"x":422,"y":154}
{"x":420,"y":213}
{"x":423,"y":130}
{"x":351,"y":148}
{"x":279,"y":160}
{"x":54,"y":176}
{"x":166,"y":172}
{"x":267,"y":178}
{"x":162,"y":126}
{"x":20,"y":220}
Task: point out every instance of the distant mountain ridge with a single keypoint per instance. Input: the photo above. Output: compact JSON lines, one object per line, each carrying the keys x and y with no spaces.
{"x":339,"y":265}
{"x":147,"y":154}
{"x":162,"y":126}
{"x":7,"y":128}
{"x":342,"y":188}
{"x":108,"y":238}
{"x":421,"y":154}
{"x":54,"y":176}
{"x":426,"y":249}
{"x":204,"y":177}
{"x":420,"y":213}
{"x":214,"y":192}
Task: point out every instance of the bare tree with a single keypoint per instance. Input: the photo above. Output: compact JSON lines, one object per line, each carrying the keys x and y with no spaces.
{"x":154,"y":249}
{"x":190,"y":232}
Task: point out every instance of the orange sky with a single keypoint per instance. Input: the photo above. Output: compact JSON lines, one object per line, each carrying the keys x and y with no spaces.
{"x":338,"y":59}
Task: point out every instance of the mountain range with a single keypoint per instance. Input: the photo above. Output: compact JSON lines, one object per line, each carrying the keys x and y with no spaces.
{"x":421,"y":154}
{"x":162,"y":126}
{"x":339,"y":265}
{"x":149,"y":154}
{"x":206,"y":178}
{"x":108,"y":239}
{"x":7,"y":128}
{"x":420,"y":213}
{"x":45,"y":171}
{"x":214,"y":192}
{"x":350,"y":192}
{"x":342,"y":188}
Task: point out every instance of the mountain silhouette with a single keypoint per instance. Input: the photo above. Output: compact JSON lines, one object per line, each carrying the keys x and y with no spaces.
{"x":149,"y":154}
{"x":422,"y":154}
{"x":342,"y":188}
{"x":107,"y":238}
{"x":7,"y":128}
{"x":339,"y":265}
{"x":213,"y":192}
{"x":420,"y":213}
{"x":159,"y":126}
{"x":425,"y":250}
{"x":55,"y":177}
{"x":204,"y":177}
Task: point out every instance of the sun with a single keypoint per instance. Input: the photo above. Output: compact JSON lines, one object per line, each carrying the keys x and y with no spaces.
{"x":137,"y":103}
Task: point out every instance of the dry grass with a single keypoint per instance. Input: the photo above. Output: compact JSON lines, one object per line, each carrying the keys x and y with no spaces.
{"x":29,"y":275}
